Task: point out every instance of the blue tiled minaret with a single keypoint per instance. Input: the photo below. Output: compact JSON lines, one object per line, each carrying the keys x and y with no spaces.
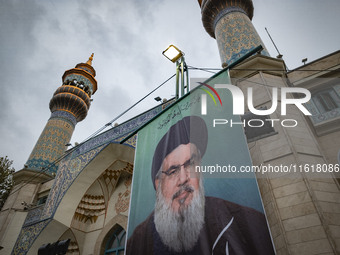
{"x":229,"y":22}
{"x":69,"y":105}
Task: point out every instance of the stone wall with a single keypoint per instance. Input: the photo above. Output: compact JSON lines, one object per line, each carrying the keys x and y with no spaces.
{"x":302,"y":209}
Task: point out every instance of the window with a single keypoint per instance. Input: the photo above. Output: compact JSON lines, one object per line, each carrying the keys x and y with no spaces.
{"x":116,"y":243}
{"x":326,"y":101}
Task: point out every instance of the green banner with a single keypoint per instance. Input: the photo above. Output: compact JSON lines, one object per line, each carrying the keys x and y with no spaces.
{"x":188,"y":193}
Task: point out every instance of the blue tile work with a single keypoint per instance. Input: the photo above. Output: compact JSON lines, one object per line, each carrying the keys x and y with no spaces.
{"x":44,"y":166}
{"x":50,"y":145}
{"x":227,"y":11}
{"x":68,"y":171}
{"x":236,"y":36}
{"x":33,"y":215}
{"x":117,"y":133}
{"x":27,"y":236}
{"x":65,"y":116}
{"x":74,"y":163}
{"x":79,"y":78}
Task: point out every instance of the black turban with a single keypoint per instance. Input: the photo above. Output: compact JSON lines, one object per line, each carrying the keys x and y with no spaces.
{"x":190,"y":129}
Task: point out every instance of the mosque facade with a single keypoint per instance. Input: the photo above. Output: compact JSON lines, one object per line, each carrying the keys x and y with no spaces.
{"x":83,"y":194}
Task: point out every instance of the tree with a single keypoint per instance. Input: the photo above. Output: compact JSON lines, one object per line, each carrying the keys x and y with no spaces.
{"x":6,"y":179}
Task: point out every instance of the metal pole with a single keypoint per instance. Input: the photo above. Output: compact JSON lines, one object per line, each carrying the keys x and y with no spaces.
{"x":177,"y":80}
{"x":182,"y":76}
{"x":187,"y":71}
{"x":272,"y":41}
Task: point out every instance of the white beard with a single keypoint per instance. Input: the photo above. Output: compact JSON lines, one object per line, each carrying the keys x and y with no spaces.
{"x":180,"y":231}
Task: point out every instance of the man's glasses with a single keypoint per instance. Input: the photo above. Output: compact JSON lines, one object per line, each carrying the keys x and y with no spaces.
{"x":188,"y":165}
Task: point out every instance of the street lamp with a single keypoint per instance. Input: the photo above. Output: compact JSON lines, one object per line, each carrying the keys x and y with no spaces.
{"x":176,"y":55}
{"x":173,"y":53}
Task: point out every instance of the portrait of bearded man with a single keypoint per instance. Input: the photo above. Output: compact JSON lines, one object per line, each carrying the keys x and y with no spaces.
{"x":184,"y":220}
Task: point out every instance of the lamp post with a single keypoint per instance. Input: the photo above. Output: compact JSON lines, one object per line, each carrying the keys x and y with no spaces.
{"x":175,"y":55}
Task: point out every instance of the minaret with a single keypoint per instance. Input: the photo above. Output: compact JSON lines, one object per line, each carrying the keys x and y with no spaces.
{"x":229,"y":22}
{"x":69,"y":105}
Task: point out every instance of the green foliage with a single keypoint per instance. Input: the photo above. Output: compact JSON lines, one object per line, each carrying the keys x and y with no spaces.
{"x":6,"y":179}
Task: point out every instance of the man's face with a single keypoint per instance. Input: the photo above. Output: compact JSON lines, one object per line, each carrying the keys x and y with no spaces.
{"x":179,"y":180}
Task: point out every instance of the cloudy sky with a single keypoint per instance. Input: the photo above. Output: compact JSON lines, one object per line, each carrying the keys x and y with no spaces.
{"x":40,"y":39}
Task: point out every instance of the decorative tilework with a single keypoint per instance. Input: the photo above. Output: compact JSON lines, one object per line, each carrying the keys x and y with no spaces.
{"x":51,"y":144}
{"x":129,"y":169}
{"x":131,"y":141}
{"x":118,"y":133}
{"x":122,"y":204}
{"x":71,"y":167}
{"x":68,"y":171}
{"x":27,"y":236}
{"x":64,"y":115}
{"x":33,"y":215}
{"x":212,"y":10}
{"x":89,"y":208}
{"x":236,"y":36}
{"x":110,"y":178}
{"x":227,"y":11}
{"x":49,"y":147}
{"x":110,"y":175}
{"x":42,"y":165}
{"x":71,"y":99}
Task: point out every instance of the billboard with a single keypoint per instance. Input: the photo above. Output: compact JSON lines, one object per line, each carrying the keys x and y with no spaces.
{"x":188,"y":193}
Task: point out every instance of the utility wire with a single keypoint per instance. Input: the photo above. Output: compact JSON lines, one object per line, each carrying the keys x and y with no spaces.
{"x":120,"y":115}
{"x":203,"y":69}
{"x":43,"y":170}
